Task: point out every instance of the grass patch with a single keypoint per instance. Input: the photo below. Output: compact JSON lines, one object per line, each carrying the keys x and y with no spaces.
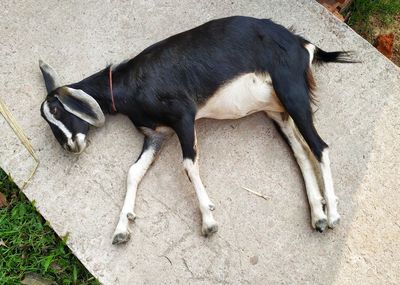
{"x":29,"y":246}
{"x":361,"y":12}
{"x":371,"y":18}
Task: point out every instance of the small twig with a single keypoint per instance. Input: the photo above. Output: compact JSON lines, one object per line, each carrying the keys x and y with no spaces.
{"x":167,"y":258}
{"x":256,"y":193}
{"x":22,"y":137}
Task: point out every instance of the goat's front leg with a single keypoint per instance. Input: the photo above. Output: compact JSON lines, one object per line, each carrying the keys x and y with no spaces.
{"x":187,"y":137}
{"x":152,"y":144}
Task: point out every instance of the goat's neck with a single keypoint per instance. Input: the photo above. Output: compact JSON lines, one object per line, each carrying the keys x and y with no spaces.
{"x":98,"y":86}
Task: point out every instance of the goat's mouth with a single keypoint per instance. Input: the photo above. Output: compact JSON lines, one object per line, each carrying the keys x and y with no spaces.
{"x":77,"y":145}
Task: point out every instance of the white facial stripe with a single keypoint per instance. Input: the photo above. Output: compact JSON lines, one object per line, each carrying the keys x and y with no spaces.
{"x":54,"y":121}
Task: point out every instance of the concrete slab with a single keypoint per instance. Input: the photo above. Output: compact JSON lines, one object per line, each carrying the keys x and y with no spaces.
{"x":259,"y":241}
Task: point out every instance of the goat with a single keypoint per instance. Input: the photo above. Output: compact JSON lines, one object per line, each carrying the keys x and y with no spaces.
{"x":224,"y":69}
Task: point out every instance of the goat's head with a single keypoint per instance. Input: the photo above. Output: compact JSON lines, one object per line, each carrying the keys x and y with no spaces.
{"x":68,"y":111}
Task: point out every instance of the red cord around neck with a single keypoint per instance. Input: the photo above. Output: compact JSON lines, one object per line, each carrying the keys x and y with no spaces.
{"x":111,"y":90}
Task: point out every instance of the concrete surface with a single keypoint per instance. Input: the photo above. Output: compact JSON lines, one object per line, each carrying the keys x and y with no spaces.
{"x":259,"y":241}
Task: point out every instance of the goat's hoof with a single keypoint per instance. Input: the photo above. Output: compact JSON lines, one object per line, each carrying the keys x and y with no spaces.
{"x":121,"y":237}
{"x":211,"y":206}
{"x":321,"y":225}
{"x":131,"y":216}
{"x":333,"y":221}
{"x":209,"y":229}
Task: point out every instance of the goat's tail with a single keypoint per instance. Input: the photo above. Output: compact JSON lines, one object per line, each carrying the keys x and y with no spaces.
{"x":321,"y":56}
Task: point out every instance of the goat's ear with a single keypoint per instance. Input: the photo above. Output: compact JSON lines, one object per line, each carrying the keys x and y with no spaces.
{"x":49,"y":75}
{"x":82,"y":105}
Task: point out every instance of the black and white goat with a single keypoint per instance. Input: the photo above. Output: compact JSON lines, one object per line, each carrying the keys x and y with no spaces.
{"x":225,"y":69}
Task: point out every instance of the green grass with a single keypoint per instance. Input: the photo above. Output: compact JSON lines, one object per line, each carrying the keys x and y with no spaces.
{"x":361,"y":12}
{"x":31,"y":246}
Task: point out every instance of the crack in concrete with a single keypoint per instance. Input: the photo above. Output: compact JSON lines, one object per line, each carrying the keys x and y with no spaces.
{"x":187,"y":268}
{"x":170,"y":210}
{"x":177,"y":243}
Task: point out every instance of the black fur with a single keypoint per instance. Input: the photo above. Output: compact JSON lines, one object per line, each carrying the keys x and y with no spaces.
{"x":321,"y":56}
{"x":166,"y":83}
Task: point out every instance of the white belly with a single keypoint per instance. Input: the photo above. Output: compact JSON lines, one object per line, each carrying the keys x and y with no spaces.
{"x":244,"y":95}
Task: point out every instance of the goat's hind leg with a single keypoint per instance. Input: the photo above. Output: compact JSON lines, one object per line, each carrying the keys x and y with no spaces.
{"x":152,"y":144}
{"x":329,"y":193}
{"x":302,"y":155}
{"x":297,"y":104}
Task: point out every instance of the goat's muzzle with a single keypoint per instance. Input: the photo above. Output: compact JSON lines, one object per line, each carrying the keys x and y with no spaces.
{"x":76,"y":145}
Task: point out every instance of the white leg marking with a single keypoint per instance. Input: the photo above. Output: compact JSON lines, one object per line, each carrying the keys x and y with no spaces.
{"x":318,"y":217}
{"x":135,"y":175}
{"x":206,"y":206}
{"x":329,"y":193}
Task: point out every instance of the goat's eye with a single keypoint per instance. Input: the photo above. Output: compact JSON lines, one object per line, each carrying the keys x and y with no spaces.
{"x":54,"y":110}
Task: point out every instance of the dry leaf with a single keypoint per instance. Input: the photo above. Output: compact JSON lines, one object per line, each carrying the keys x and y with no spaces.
{"x":54,"y":265}
{"x":34,"y":279}
{"x":3,"y":200}
{"x":384,"y":43}
{"x":2,"y":243}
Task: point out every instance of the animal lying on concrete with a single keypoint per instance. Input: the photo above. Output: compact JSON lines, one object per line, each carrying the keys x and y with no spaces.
{"x":225,"y":69}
